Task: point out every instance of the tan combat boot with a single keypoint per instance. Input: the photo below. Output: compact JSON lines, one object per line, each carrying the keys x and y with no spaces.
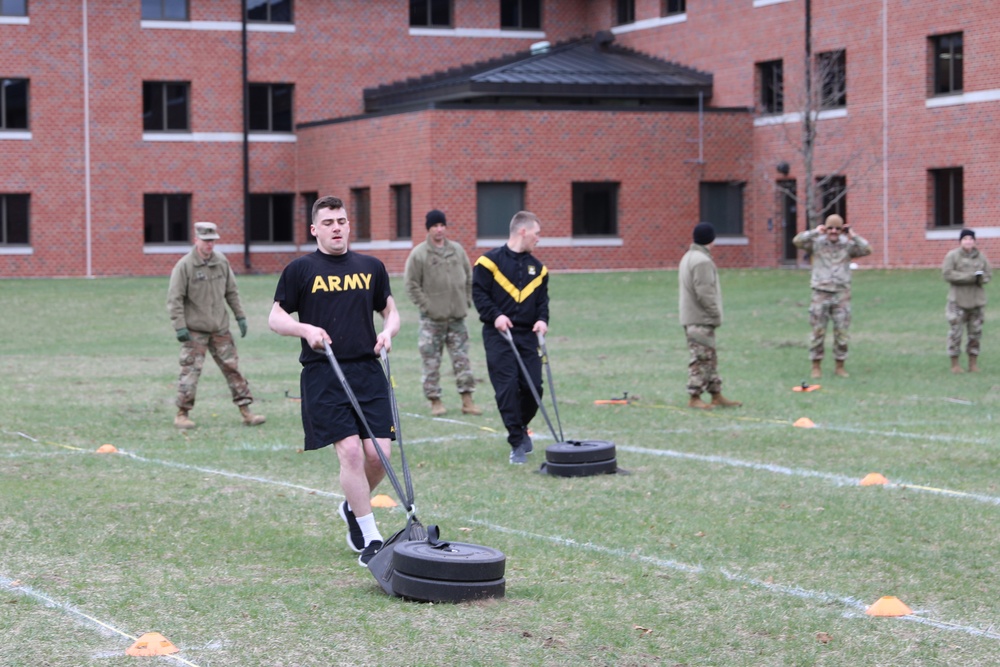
{"x":468,"y":407}
{"x":955,"y":367}
{"x":723,"y":402}
{"x":839,"y":371}
{"x":249,"y":418}
{"x":182,"y":420}
{"x":973,"y":366}
{"x":698,"y":404}
{"x":817,"y":372}
{"x":437,"y":407}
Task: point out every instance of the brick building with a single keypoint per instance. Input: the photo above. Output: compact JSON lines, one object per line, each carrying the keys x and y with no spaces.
{"x":620,"y":122}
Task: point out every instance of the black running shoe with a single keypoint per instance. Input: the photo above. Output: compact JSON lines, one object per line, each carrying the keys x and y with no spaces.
{"x":355,"y":538}
{"x":373,"y":548}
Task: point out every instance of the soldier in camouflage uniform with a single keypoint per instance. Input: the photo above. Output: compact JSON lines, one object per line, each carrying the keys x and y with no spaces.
{"x":439,"y":282}
{"x":201,"y":284}
{"x":832,"y":245}
{"x":967,"y":269}
{"x":700,"y":308}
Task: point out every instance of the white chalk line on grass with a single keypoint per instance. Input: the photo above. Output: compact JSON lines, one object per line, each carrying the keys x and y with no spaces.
{"x":106,"y":628}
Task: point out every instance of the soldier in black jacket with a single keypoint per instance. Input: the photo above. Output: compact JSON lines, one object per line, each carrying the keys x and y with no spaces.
{"x":511,"y":291}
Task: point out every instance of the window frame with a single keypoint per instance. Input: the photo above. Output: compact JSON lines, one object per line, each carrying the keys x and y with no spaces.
{"x":521,"y":22}
{"x":163,"y":10}
{"x":24,"y":11}
{"x":361,"y":213}
{"x":583,"y":216}
{"x":954,"y":190}
{"x":831,"y":70}
{"x":771,"y":87}
{"x":173,"y":232}
{"x":5,"y":219}
{"x":940,"y":48}
{"x":624,"y":12}
{"x":271,"y":113}
{"x":270,"y":11}
{"x":165,"y":101}
{"x":402,"y":210}
{"x":673,"y":7}
{"x":431,"y":9}
{"x":707,"y":194}
{"x":831,"y":195}
{"x":6,"y":84}
{"x":489,"y":223}
{"x":308,"y":199}
{"x":286,"y":220}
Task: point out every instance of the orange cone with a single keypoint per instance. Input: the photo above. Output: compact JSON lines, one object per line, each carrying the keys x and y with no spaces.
{"x":889,"y":606}
{"x":152,"y":643}
{"x":382,"y":500}
{"x":804,"y":422}
{"x":107,"y":449}
{"x":873,"y":478}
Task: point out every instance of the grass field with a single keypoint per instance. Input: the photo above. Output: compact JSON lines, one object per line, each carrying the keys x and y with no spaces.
{"x":736,"y":539}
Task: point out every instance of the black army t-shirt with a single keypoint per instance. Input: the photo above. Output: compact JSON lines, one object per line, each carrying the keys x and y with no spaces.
{"x":338,"y":293}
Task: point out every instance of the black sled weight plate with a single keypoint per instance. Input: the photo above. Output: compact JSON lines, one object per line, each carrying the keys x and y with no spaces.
{"x":580,"y":451}
{"x":581,"y":469}
{"x":452,"y":561}
{"x":435,"y":590}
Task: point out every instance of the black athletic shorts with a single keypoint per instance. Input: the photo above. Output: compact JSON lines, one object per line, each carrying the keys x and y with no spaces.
{"x":327,"y":413}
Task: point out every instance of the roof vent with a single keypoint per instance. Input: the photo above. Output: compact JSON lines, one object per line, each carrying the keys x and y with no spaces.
{"x":540,"y":47}
{"x":603,"y":39}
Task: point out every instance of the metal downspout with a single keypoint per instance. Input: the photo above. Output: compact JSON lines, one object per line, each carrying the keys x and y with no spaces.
{"x":885,"y":133}
{"x":88,"y":232}
{"x":246,"y":146}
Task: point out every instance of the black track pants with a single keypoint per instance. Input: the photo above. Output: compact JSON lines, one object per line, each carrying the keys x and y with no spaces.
{"x":513,"y":394}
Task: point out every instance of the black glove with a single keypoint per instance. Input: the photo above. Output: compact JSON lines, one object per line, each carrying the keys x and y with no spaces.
{"x":242,"y":321}
{"x":183,"y":335}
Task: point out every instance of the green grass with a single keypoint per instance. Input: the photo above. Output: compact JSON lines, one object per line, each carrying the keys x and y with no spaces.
{"x":735,"y":539}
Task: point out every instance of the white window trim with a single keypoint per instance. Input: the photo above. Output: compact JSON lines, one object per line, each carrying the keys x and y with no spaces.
{"x":15,"y":135}
{"x":219,"y":137}
{"x":964,"y":98}
{"x":16,"y":250}
{"x":228,"y":26}
{"x":562,"y":242}
{"x":796,"y":117}
{"x":951,"y":233}
{"x":731,"y":240}
{"x":765,"y":3}
{"x":381,"y":244}
{"x":511,"y":33}
{"x":14,"y":20}
{"x":647,"y":24}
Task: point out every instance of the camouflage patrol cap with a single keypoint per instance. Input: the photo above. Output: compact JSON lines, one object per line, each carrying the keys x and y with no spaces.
{"x":834,"y":221}
{"x":206,"y":231}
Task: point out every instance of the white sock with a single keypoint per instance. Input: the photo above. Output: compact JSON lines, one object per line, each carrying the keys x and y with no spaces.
{"x":368,"y":527}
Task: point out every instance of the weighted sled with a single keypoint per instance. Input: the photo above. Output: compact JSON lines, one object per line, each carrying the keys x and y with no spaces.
{"x":580,"y":451}
{"x":581,"y":469}
{"x":450,"y":561}
{"x":435,"y":590}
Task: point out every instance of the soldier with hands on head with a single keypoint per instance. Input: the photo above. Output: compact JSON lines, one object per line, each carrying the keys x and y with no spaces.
{"x":967,"y":270}
{"x":202,"y":284}
{"x":833,"y":245}
{"x":700,"y":309}
{"x":439,"y":282}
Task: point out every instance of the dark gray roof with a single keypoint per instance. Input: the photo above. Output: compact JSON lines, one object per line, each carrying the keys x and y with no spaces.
{"x":592,"y":68}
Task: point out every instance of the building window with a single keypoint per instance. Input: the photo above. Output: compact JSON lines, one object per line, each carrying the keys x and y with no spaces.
{"x":13,"y":104}
{"x":831,"y":191}
{"x":13,"y":7}
{"x":309,"y":198}
{"x":165,"y":106}
{"x":402,"y":211}
{"x":162,"y":10}
{"x":947,"y":67}
{"x":496,"y":204}
{"x":946,"y":188}
{"x":831,"y":73}
{"x":166,"y":218}
{"x":523,"y":14}
{"x":624,"y":12}
{"x":269,"y":11}
{"x":361,"y":213}
{"x":430,"y":13}
{"x":14,"y":220}
{"x":722,"y":205}
{"x":772,"y":86}
{"x":272,"y":218}
{"x":673,"y":7}
{"x":595,"y":209}
{"x":270,"y":107}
